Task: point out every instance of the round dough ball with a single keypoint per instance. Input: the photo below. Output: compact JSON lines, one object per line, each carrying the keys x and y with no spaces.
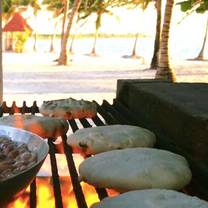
{"x":136,"y":168}
{"x":105,"y":138}
{"x":152,"y":198}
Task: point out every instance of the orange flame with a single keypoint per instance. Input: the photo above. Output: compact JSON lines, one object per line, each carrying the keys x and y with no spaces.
{"x":44,"y":192}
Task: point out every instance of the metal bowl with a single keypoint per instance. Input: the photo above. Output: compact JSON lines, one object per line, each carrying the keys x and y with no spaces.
{"x":13,"y":186}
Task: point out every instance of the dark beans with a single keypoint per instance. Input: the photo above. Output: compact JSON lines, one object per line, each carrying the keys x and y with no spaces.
{"x":14,"y":158}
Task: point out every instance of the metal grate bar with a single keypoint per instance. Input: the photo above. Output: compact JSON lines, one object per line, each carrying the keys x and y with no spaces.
{"x":55,"y":176}
{"x":73,"y":125}
{"x":106,"y":111}
{"x":119,"y":117}
{"x":85,"y":123}
{"x":33,"y":197}
{"x":98,"y":121}
{"x":74,"y":176}
{"x":15,"y":109}
{"x":126,"y":113}
{"x":109,"y":118}
{"x":102,"y":193}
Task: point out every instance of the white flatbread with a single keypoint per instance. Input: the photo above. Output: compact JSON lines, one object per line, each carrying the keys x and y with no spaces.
{"x":45,"y":127}
{"x":69,"y":108}
{"x":152,"y":198}
{"x":136,"y":168}
{"x":105,"y":138}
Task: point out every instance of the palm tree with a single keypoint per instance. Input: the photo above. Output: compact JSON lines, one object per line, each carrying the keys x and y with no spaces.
{"x":36,"y":7}
{"x":61,"y":11}
{"x":201,"y":53}
{"x":100,"y":8}
{"x":164,"y":71}
{"x":97,"y":26}
{"x":154,"y":62}
{"x":198,"y":6}
{"x":63,"y":54}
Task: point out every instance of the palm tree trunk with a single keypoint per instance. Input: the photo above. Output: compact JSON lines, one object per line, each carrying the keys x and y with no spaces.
{"x":134,"y":55}
{"x":66,"y":8}
{"x":1,"y":67}
{"x":52,"y":43}
{"x":35,"y":41}
{"x":35,"y":32}
{"x":63,"y":55}
{"x":154,"y":62}
{"x":73,"y":37}
{"x":201,"y":53}
{"x":97,"y":26}
{"x":164,"y":70}
{"x":93,"y":52}
{"x":52,"y":39}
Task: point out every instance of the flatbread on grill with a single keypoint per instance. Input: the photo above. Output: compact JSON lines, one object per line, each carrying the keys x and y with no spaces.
{"x":136,"y":168}
{"x":152,"y":198}
{"x":105,"y":138}
{"x":45,"y":127}
{"x":69,"y":108}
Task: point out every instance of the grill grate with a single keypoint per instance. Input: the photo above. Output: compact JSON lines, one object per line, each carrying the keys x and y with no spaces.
{"x":105,"y":116}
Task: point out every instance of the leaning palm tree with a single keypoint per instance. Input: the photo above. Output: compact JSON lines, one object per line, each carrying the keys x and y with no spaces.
{"x":100,"y":8}
{"x":164,"y":71}
{"x":198,"y":6}
{"x":201,"y":53}
{"x":64,"y":53}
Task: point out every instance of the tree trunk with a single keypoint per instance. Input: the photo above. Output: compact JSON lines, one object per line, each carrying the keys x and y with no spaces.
{"x":35,"y":32}
{"x":73,"y":37}
{"x":154,"y":62}
{"x":72,"y":44}
{"x":135,"y":45}
{"x":52,"y":43}
{"x":35,"y":41}
{"x":66,"y":8}
{"x":93,"y":52}
{"x":164,"y":70}
{"x":201,"y":53}
{"x":97,"y":26}
{"x":52,"y":38}
{"x":63,"y":54}
{"x":1,"y":67}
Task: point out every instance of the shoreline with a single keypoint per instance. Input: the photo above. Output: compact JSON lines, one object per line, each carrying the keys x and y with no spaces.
{"x":34,"y":76}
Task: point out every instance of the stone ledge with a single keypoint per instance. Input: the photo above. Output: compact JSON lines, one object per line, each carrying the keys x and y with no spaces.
{"x":177,"y":111}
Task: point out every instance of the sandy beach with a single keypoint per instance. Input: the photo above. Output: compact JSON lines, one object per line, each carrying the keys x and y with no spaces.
{"x":35,"y":76}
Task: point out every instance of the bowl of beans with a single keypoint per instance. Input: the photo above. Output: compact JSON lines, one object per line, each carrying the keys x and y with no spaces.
{"x":22,"y":154}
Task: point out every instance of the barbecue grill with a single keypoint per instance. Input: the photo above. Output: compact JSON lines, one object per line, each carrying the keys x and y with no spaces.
{"x":114,"y":113}
{"x":105,"y":116}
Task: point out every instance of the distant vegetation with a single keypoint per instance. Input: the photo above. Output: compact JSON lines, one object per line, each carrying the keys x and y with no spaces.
{"x":91,"y":35}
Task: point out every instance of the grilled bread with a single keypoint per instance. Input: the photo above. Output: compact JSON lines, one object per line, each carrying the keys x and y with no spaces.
{"x":105,"y":138}
{"x":136,"y":168}
{"x":45,"y":127}
{"x":69,"y":108}
{"x":152,"y":198}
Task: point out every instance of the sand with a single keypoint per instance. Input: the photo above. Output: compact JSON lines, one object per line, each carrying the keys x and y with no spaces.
{"x":35,"y":76}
